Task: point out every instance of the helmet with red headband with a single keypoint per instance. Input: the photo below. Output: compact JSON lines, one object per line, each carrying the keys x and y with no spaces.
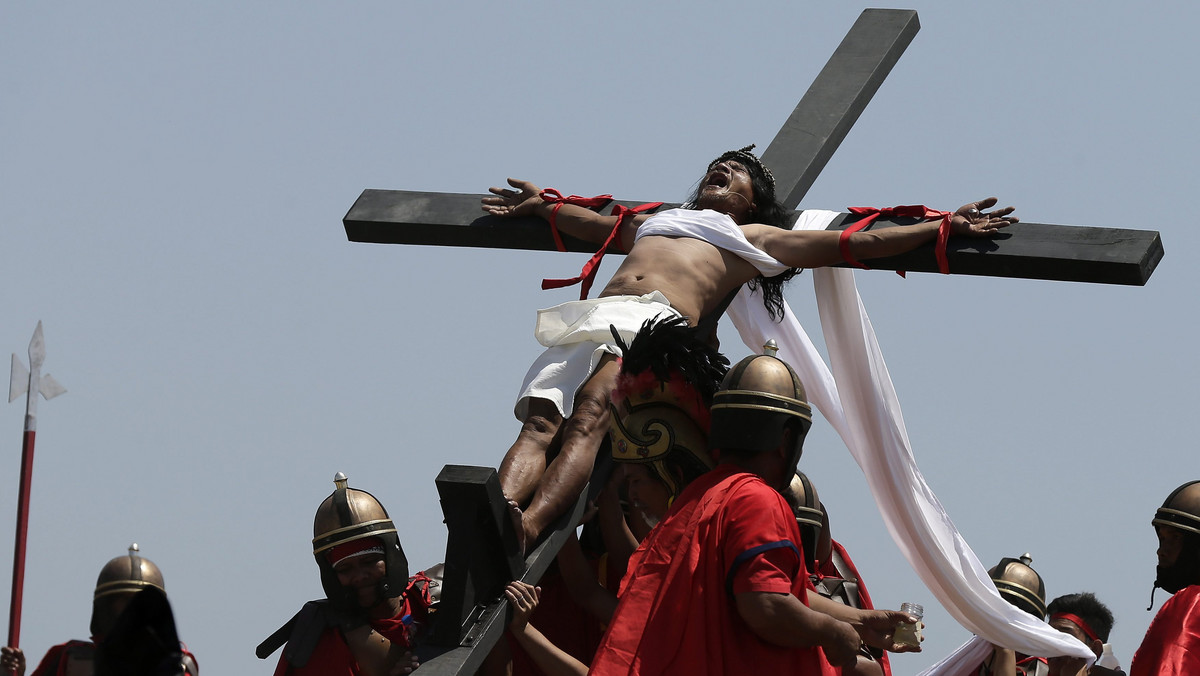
{"x":350,"y":523}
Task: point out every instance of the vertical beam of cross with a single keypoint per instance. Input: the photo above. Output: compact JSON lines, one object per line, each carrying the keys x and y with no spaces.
{"x":836,"y":98}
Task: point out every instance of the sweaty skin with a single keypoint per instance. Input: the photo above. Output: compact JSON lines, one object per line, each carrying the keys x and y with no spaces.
{"x":695,"y":276}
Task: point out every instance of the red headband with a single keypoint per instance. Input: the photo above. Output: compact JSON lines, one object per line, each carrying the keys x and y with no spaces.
{"x":1078,"y":622}
{"x":354,"y":548}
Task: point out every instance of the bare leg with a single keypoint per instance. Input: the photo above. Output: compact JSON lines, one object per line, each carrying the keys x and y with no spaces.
{"x":525,"y":462}
{"x":581,"y":436}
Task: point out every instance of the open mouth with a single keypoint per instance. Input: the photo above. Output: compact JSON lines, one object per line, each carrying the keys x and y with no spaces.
{"x":716,"y":179}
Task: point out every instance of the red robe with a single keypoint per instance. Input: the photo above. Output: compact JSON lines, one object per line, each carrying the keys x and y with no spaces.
{"x":727,"y":533}
{"x":1172,"y":643}
{"x":56,"y":659}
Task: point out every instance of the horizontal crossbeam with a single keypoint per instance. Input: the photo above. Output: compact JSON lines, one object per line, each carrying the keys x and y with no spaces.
{"x":1025,"y":250}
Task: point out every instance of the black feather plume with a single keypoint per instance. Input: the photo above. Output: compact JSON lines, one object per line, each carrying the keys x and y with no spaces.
{"x":666,"y":345}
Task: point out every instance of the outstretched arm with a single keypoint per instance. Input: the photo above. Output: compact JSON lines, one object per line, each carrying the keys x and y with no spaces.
{"x":820,"y":248}
{"x":550,"y":658}
{"x":576,"y":221}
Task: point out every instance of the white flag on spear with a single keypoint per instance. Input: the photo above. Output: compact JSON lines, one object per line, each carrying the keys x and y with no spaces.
{"x":28,"y":381}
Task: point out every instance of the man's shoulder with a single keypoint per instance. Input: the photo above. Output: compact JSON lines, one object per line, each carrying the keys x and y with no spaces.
{"x":74,"y":650}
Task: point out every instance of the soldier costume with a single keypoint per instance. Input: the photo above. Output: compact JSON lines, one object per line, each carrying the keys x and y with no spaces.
{"x":331,"y":636}
{"x":727,"y":533}
{"x":121,"y":580}
{"x":1172,"y":643}
{"x":1020,"y":585}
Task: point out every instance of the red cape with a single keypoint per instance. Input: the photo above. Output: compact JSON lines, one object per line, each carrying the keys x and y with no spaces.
{"x":676,"y":614}
{"x":1172,"y":643}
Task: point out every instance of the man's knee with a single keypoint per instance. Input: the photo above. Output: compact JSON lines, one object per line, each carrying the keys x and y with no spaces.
{"x":590,"y":416}
{"x":540,"y":425}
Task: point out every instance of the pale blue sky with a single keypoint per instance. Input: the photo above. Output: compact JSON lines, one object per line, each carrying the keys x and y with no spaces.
{"x":172,"y":179}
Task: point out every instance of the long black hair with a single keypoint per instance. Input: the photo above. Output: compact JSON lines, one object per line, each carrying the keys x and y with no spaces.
{"x":768,"y":211}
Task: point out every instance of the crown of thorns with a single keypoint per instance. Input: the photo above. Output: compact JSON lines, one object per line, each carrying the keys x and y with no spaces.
{"x":745,"y":157}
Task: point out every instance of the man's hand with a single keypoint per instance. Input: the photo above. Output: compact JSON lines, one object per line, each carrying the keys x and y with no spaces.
{"x":878,"y":629}
{"x":407,"y":664}
{"x":842,"y":644}
{"x":12,"y":661}
{"x":972,"y":221}
{"x":524,"y":600}
{"x":520,"y":202}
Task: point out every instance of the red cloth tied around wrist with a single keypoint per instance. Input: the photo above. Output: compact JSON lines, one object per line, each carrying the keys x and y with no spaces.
{"x":871,"y":214}
{"x":552,"y":196}
{"x":588,"y":275}
{"x":1078,"y":622}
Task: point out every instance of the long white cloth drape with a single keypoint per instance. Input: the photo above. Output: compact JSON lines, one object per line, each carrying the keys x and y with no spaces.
{"x":856,"y":396}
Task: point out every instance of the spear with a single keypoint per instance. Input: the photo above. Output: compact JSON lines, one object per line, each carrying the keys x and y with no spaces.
{"x":29,"y":382}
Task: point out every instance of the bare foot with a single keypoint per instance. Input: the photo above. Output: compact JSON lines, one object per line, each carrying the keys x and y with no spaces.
{"x":518,"y":521}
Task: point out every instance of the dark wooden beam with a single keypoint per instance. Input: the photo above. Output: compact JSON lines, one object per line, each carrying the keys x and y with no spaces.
{"x":480,"y":560}
{"x":1025,"y":250}
{"x":836,"y":98}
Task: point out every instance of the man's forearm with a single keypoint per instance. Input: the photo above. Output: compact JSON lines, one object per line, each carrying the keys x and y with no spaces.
{"x":838,"y":611}
{"x":579,"y":222}
{"x":885,"y":242}
{"x":783,"y":620}
{"x":820,"y":248}
{"x":551,"y":659}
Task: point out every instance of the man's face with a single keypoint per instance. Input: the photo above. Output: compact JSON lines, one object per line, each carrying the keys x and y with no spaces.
{"x":727,"y":187}
{"x":1171,"y":575}
{"x":1070,"y":666}
{"x":362,"y":574}
{"x":647,"y":492}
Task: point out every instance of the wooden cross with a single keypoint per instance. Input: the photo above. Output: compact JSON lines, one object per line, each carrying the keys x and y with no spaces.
{"x":469,"y":623}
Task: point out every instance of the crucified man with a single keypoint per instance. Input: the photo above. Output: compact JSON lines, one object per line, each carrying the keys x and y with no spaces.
{"x":682,"y":262}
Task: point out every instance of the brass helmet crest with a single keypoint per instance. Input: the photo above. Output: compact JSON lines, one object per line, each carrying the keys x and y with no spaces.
{"x":351,"y":516}
{"x":1020,"y":585}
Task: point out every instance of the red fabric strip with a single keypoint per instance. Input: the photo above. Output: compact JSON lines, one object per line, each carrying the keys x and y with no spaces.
{"x":552,"y":196}
{"x":588,"y":275}
{"x":1078,"y":622}
{"x":871,"y":214}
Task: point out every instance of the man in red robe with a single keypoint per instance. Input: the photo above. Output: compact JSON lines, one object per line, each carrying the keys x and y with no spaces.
{"x":1172,"y":643}
{"x":720,"y":586}
{"x":373,"y":611}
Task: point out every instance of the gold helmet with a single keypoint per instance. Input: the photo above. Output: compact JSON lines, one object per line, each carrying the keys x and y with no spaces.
{"x":802,"y":497}
{"x":1020,"y":585}
{"x":759,"y":400}
{"x":1181,"y":509}
{"x":1181,"y":512}
{"x":119,"y":579}
{"x":350,"y":519}
{"x":660,"y":406}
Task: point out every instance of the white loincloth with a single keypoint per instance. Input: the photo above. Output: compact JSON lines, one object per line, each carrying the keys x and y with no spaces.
{"x":577,"y":336}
